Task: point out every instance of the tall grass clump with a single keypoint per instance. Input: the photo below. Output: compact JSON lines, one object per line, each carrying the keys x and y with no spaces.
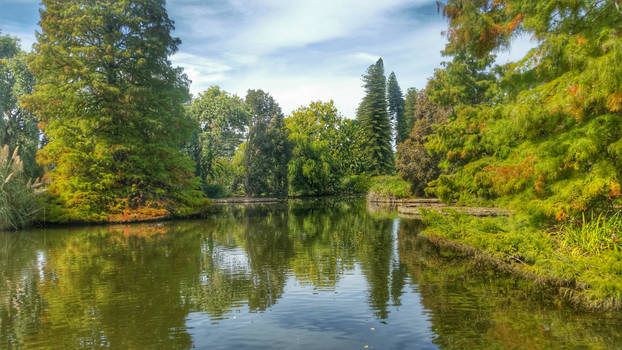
{"x":593,"y":236}
{"x":19,"y":200}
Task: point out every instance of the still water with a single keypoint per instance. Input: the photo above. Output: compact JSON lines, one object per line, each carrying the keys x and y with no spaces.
{"x":305,"y":275}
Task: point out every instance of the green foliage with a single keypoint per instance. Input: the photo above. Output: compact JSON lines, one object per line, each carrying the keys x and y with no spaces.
{"x":463,"y":80}
{"x":268,"y":150}
{"x":221,"y":121}
{"x":355,"y":184}
{"x":318,"y":158}
{"x":593,"y":236}
{"x":112,"y":106}
{"x":20,"y":204}
{"x":390,"y":186}
{"x":410,"y":101}
{"x":375,"y":125}
{"x":413,"y":161}
{"x":549,"y":139}
{"x":397,"y":108}
{"x":579,"y":258}
{"x":18,"y":127}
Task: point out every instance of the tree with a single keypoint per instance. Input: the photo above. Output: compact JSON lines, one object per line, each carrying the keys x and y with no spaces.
{"x":267,"y":150}
{"x":374,"y":122}
{"x":222,"y":120}
{"x":410,"y":101}
{"x":112,"y":106}
{"x":396,"y":108}
{"x":314,"y":133}
{"x":550,"y":138}
{"x":18,"y":127}
{"x":413,"y":161}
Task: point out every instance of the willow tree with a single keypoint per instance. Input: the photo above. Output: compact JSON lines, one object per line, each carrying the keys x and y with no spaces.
{"x":374,"y":122}
{"x":112,"y":106}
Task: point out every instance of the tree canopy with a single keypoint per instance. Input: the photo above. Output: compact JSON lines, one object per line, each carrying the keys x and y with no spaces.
{"x":550,"y":139}
{"x":112,"y":106}
{"x":375,"y":124}
{"x":18,"y":127}
{"x":221,"y":120}
{"x":267,"y":150}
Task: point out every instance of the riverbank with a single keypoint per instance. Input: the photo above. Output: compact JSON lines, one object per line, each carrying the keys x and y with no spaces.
{"x":582,"y":261}
{"x":583,"y":274}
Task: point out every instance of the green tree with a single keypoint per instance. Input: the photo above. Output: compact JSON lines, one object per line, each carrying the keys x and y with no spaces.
{"x":413,"y":161}
{"x":314,"y":133}
{"x":375,"y":123}
{"x":112,"y":106}
{"x":551,"y":138}
{"x":18,"y":127}
{"x":397,"y":114}
{"x":222,"y":119}
{"x":410,"y":101}
{"x":267,"y":150}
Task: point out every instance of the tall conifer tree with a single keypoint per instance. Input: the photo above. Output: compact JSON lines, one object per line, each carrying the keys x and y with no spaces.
{"x":112,"y":106}
{"x":410,"y":101}
{"x":374,"y":122}
{"x":396,"y":108}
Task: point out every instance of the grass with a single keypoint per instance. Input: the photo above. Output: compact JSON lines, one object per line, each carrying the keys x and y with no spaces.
{"x":19,"y":200}
{"x":593,"y":236}
{"x":583,"y":260}
{"x":393,"y":187}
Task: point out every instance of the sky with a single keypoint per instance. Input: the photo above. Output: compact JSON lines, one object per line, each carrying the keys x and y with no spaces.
{"x":298,"y":51}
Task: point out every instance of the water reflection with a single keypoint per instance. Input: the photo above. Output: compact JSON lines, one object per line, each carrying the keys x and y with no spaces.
{"x":308,"y":274}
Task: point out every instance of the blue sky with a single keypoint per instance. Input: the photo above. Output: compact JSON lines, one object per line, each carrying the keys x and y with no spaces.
{"x":299,"y":51}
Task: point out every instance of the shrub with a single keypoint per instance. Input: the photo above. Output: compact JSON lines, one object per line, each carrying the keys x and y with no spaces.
{"x":355,"y":184}
{"x":390,"y":186}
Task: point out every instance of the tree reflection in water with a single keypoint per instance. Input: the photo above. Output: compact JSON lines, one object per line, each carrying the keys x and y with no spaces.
{"x":135,"y":286}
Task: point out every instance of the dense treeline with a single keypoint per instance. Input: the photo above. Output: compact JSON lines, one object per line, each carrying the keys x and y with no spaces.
{"x":118,"y":137}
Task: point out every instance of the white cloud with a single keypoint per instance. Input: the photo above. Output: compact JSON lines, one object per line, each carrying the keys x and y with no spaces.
{"x":202,"y":71}
{"x":365,"y":57}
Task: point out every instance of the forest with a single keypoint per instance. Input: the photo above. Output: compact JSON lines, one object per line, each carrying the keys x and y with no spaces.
{"x":98,"y":126}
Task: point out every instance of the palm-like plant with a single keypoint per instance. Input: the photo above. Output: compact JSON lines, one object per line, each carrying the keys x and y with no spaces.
{"x":19,"y":196}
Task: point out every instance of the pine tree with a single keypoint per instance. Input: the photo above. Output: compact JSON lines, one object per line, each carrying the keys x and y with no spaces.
{"x":267,"y":149}
{"x":395,"y":99}
{"x":375,"y":123}
{"x":410,"y":102}
{"x":112,"y":106}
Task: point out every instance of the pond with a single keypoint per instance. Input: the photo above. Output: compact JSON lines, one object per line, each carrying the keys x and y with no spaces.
{"x":317,"y":274}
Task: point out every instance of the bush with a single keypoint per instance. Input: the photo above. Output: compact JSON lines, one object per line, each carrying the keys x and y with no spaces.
{"x":19,"y":202}
{"x":355,"y":184}
{"x":393,"y":187}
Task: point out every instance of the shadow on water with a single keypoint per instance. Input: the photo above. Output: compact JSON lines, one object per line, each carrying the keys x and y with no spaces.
{"x":305,"y":274}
